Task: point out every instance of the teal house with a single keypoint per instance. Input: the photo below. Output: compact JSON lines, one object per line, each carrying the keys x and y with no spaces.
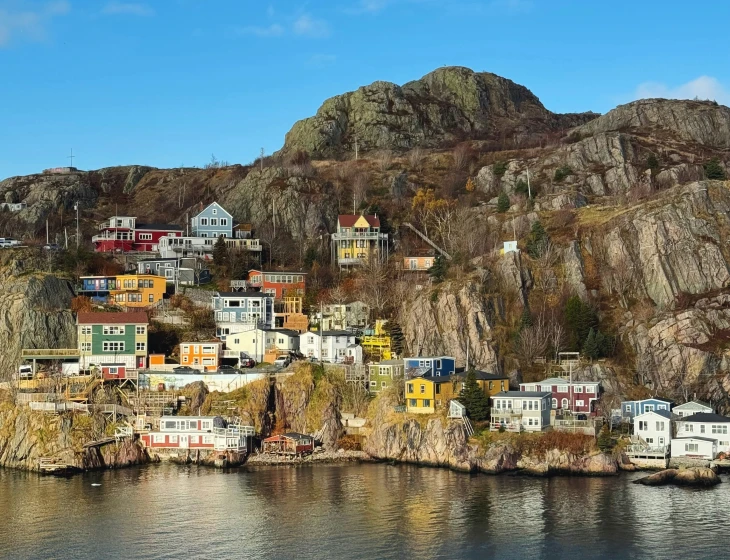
{"x":383,"y":374}
{"x":112,"y":338}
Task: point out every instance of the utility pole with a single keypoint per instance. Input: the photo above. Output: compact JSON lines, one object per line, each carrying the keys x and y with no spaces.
{"x":321,"y":330}
{"x":71,"y":157}
{"x":76,"y":207}
{"x":47,"y":232}
{"x":261,"y":160}
{"x":529,"y":190}
{"x":273,"y":212}
{"x":356,"y":147}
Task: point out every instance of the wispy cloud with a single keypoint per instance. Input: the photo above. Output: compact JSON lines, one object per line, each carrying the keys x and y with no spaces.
{"x":307,"y":26}
{"x":704,"y":87}
{"x":128,"y":9}
{"x":29,"y":25}
{"x":273,"y":30}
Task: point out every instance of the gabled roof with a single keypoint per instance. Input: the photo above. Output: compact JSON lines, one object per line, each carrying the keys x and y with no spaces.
{"x":692,"y":404}
{"x":437,"y":379}
{"x":129,"y":318}
{"x":663,"y":413}
{"x":211,"y":205}
{"x":528,"y":394}
{"x":483,"y":375}
{"x":349,"y":220}
{"x":388,"y":363}
{"x":561,"y":381}
{"x":706,"y":417}
{"x":697,"y":437}
{"x":159,"y":227}
{"x":261,"y":271}
{"x":243,"y":294}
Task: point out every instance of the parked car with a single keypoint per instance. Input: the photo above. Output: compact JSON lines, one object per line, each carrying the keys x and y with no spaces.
{"x":282,"y":361}
{"x":25,"y":372}
{"x":185,"y":369}
{"x":247,"y":362}
{"x":225,"y":367}
{"x":51,"y":247}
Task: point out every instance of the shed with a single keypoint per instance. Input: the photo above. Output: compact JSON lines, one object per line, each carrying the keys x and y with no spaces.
{"x":291,"y":443}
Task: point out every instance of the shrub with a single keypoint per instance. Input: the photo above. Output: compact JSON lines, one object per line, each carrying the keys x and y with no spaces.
{"x":439,"y":269}
{"x":503,"y":203}
{"x":521,"y":187}
{"x":348,"y":443}
{"x":536,"y":241}
{"x":713,"y":170}
{"x":605,"y":441}
{"x":499,"y":168}
{"x":562,"y":172}
{"x":652,"y":163}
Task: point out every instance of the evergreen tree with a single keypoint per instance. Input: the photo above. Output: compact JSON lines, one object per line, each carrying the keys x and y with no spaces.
{"x":220,"y":253}
{"x":713,"y":170}
{"x":473,"y":398}
{"x":536,"y":241}
{"x":502,"y":203}
{"x":580,"y":318}
{"x":525,"y":319}
{"x":397,"y":340}
{"x":590,"y":347}
{"x":605,"y":442}
{"x":652,"y":163}
{"x":437,"y":272}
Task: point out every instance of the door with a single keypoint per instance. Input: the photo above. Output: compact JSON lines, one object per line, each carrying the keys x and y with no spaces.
{"x":184,"y":441}
{"x":661,"y":442}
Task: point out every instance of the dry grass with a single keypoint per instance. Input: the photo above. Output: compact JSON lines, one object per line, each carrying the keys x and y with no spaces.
{"x":539,"y":444}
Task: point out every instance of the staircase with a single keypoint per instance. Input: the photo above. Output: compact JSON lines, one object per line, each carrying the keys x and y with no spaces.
{"x":468,"y":427}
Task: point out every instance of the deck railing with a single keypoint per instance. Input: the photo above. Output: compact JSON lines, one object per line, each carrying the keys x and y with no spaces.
{"x":31,"y":353}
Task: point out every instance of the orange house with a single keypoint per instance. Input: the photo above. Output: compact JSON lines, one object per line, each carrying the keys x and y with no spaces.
{"x":417,"y":263}
{"x":196,"y":354}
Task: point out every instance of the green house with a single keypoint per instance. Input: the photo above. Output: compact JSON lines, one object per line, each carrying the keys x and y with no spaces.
{"x":383,"y":374}
{"x":112,"y":338}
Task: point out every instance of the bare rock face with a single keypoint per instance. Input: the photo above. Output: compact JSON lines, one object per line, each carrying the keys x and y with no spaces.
{"x":698,"y":476}
{"x":455,"y":318}
{"x":443,"y":107}
{"x":34,"y":313}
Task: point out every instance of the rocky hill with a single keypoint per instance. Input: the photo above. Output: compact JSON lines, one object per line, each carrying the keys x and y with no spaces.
{"x":444,"y":107}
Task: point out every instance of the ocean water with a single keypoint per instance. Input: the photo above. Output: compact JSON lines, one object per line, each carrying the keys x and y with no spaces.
{"x":353,"y":512}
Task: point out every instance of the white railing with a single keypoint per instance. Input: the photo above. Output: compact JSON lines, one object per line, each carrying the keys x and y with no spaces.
{"x":123,"y":432}
{"x":342,"y":236}
{"x":58,"y":407}
{"x":233,"y":431}
{"x":508,"y":427}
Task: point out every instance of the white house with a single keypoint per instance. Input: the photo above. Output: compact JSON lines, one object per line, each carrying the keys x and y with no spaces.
{"x":239,"y":312}
{"x":336,"y":346}
{"x":706,"y":425}
{"x":256,"y":343}
{"x":690,"y":408}
{"x":695,"y":447}
{"x":342,"y":316}
{"x":517,"y":411}
{"x":654,"y":428}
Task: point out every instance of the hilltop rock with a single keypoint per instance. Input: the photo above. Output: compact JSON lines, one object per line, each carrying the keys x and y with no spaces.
{"x":446,"y":106}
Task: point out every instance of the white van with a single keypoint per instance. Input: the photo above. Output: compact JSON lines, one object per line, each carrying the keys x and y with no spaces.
{"x":25,"y":372}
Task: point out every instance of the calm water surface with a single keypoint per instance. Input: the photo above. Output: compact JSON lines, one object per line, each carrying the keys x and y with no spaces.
{"x":353,"y":512}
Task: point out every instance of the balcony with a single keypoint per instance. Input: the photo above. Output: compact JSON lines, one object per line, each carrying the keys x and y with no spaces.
{"x":508,"y":427}
{"x":368,"y":235}
{"x":350,"y":261}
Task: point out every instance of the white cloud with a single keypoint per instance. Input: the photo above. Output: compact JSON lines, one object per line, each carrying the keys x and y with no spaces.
{"x":273,"y":30}
{"x":29,"y":25}
{"x":307,"y":26}
{"x":704,"y":87}
{"x":128,"y":9}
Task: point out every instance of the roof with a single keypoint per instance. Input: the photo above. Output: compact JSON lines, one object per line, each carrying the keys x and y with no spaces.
{"x":159,"y":259}
{"x":699,"y":438}
{"x":288,"y":332}
{"x":159,"y":227}
{"x":249,"y":293}
{"x":210,"y":205}
{"x":527,"y":394}
{"x":485,"y":376}
{"x":430,"y":358}
{"x":276,"y":271}
{"x":706,"y":417}
{"x":437,"y":378}
{"x":561,"y":381}
{"x":692,"y":404}
{"x":388,"y":363}
{"x":128,"y":318}
{"x":348,"y":220}
{"x":243,"y":227}
{"x":663,"y":413}
{"x":289,"y":435}
{"x":335,"y":333}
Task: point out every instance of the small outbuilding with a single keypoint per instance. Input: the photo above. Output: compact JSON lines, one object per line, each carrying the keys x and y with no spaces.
{"x":292,"y":443}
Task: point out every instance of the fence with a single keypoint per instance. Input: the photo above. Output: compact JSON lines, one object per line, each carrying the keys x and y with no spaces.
{"x":58,"y":407}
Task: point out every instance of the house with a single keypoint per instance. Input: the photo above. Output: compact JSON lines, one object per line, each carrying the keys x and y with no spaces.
{"x":334,"y":345}
{"x":435,"y":366}
{"x":262,"y":345}
{"x":197,"y":433}
{"x":629,"y":409}
{"x":571,"y":396}
{"x":510,"y":247}
{"x":383,"y":374}
{"x":202,"y":247}
{"x":424,"y":394}
{"x":654,"y":428}
{"x":122,"y":234}
{"x":417,"y":264}
{"x":694,"y":447}
{"x":243,"y":231}
{"x":376,"y":341}
{"x":237,"y":312}
{"x":342,"y":316}
{"x":288,"y":289}
{"x":114,"y":372}
{"x":690,"y":408}
{"x":516,"y":411}
{"x":291,"y":443}
{"x":13,"y":206}
{"x":706,"y":425}
{"x":184,"y":271}
{"x":205,"y":354}
{"x":213,"y":221}
{"x":126,"y":290}
{"x":490,"y":383}
{"x":358,"y":239}
{"x":112,"y":338}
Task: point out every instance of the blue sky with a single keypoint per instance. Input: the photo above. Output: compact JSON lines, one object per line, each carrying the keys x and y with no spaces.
{"x":170,"y":82}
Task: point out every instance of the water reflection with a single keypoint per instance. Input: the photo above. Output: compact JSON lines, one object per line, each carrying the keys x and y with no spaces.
{"x":368,"y":511}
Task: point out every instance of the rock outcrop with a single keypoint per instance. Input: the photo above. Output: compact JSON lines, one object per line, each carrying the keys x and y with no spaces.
{"x":701,"y":477}
{"x":446,"y":106}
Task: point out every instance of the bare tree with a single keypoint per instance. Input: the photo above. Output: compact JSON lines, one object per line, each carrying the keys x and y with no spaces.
{"x":623,"y":279}
{"x":374,"y":287}
{"x":532,"y":341}
{"x":460,"y":156}
{"x":384,"y":160}
{"x":360,"y":187}
{"x":556,"y":335}
{"x":415,"y":159}
{"x":337,"y":295}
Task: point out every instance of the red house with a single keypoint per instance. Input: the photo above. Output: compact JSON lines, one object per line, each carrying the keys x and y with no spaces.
{"x":197,"y":432}
{"x":279,"y":283}
{"x":111,"y":372}
{"x":579,"y":397}
{"x":122,"y":234}
{"x":291,"y":443}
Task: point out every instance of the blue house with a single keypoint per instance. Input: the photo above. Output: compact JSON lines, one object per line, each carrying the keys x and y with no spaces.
{"x":436,"y":366}
{"x":629,"y":409}
{"x":213,"y":221}
{"x":237,"y":312}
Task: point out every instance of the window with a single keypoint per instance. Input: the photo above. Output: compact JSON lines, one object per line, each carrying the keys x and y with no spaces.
{"x":649,"y":440}
{"x":426,"y":402}
{"x":562,"y":388}
{"x":578,"y":403}
{"x":662,"y":407}
{"x":113,"y":329}
{"x":152,"y":298}
{"x":660,"y":426}
{"x":141,"y":346}
{"x":185,"y":359}
{"x":438,"y":389}
{"x":373,"y":383}
{"x":203,"y":221}
{"x":555,"y":403}
{"x":113,"y":346}
{"x":590,"y":390}
{"x":158,"y":438}
{"x":564,"y":403}
{"x":691,"y":447}
{"x":224,"y":221}
{"x":413,"y":402}
{"x":423,"y":389}
{"x":627,"y":408}
{"x":383,"y":384}
{"x":719,"y":428}
{"x":410,"y":387}
{"x":85,"y":330}
{"x":648,"y":408}
{"x":141,"y":330}
{"x":702,"y":428}
{"x":145,"y":236}
{"x":215,"y":211}
{"x":86,"y":346}
{"x":643,"y":426}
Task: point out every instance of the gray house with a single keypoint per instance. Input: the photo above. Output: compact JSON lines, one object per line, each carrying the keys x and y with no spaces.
{"x":213,"y":221}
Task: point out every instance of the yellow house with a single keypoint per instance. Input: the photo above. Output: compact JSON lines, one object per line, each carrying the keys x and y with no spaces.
{"x":425,"y":394}
{"x":126,"y":290}
{"x":357,"y":239}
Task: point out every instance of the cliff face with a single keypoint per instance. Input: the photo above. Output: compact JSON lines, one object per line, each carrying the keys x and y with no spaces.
{"x":443,"y":107}
{"x":34,"y":313}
